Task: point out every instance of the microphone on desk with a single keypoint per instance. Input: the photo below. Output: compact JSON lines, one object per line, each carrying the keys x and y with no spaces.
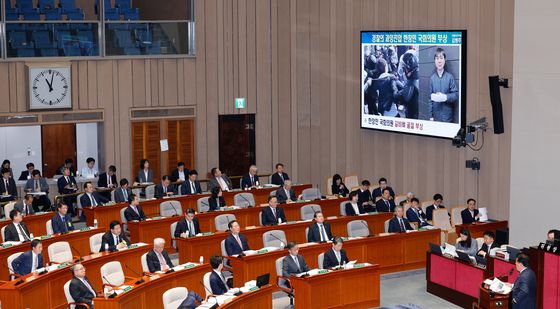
{"x":507,"y":273}
{"x":114,"y":293}
{"x":281,"y":241}
{"x":175,"y":209}
{"x":228,"y":221}
{"x":20,"y":281}
{"x":203,"y":202}
{"x":246,"y":200}
{"x":210,"y":295}
{"x":136,"y":273}
{"x":79,"y":254}
{"x":370,"y":234}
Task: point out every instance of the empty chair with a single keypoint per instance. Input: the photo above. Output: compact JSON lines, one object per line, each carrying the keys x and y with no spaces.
{"x":386,"y":225}
{"x":72,"y":50}
{"x":2,"y":232}
{"x":244,"y":199}
{"x":311,"y":194}
{"x":282,"y":282}
{"x":399,"y":199}
{"x":308,"y":211}
{"x":343,"y":208}
{"x":112,"y":272}
{"x":479,"y":241}
{"x":173,"y":227}
{"x":150,"y":191}
{"x":221,"y":222}
{"x":144,"y":263}
{"x":8,"y":208}
{"x":10,"y":259}
{"x":329,"y":185}
{"x":441,"y":221}
{"x":202,"y":204}
{"x":425,"y":205}
{"x":79,"y":201}
{"x":320,"y":259}
{"x":172,"y":298}
{"x":170,"y":208}
{"x":351,"y":181}
{"x":48,"y":226}
{"x":123,"y":219}
{"x":155,"y":49}
{"x":137,"y":191}
{"x":357,"y":228}
{"x":206,"y":281}
{"x":60,"y":252}
{"x":456,"y":215}
{"x":69,"y":299}
{"x":274,"y":238}
{"x":95,"y":242}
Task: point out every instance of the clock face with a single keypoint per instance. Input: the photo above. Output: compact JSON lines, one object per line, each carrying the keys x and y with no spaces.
{"x":49,"y":88}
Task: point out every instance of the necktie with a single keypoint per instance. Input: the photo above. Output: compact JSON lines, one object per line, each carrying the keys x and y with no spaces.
{"x":337,"y":254}
{"x":109,"y":180}
{"x":419,"y":216}
{"x":22,"y":232}
{"x":239,"y":242}
{"x":67,"y":179}
{"x":388,"y":207}
{"x":125,"y":194}
{"x":223,"y":279}
{"x":162,"y":261}
{"x":164,"y":189}
{"x":64,"y":222}
{"x":191,"y":228}
{"x":282,"y":176}
{"x":36,"y":185}
{"x":274,"y":213}
{"x":402,"y":225}
{"x":135,"y":210}
{"x":6,"y":185}
{"x":323,"y":233}
{"x":93,"y":202}
{"x":193,"y":190}
{"x":86,"y":283}
{"x":252,"y":181}
{"x":297,"y":263}
{"x":34,"y":262}
{"x":116,"y":240}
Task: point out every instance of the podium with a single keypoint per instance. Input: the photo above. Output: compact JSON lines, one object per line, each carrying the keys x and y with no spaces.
{"x":491,"y":300}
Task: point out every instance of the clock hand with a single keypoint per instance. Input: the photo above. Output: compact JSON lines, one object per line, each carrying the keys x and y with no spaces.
{"x":49,"y":84}
{"x":52,"y":76}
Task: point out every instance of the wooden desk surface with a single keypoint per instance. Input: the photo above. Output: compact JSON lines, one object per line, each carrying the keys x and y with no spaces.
{"x":350,"y":288}
{"x":35,"y":223}
{"x":46,"y":291}
{"x":477,"y":229}
{"x":261,"y":298}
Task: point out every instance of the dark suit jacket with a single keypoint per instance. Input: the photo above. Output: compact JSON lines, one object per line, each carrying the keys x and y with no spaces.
{"x":11,"y":233}
{"x":186,"y":188}
{"x":363,"y":197}
{"x":131,"y":215}
{"x":61,"y":183}
{"x":159,"y":190}
{"x":350,"y":210}
{"x":466,"y":216}
{"x":283,"y":197}
{"x":119,"y":195}
{"x":142,"y":178}
{"x":86,"y":202}
{"x":313,"y":235}
{"x":330,"y":260}
{"x":183,"y":227}
{"x":19,"y":206}
{"x":107,"y":238}
{"x":23,"y":263}
{"x":102,"y":182}
{"x":24,"y":175}
{"x":175,"y":175}
{"x":12,"y":189}
{"x":268,"y":217}
{"x":80,"y":293}
{"x":289,"y":267}
{"x":246,"y":181}
{"x":59,"y":226}
{"x":213,"y":183}
{"x":524,"y":290}
{"x":217,"y":285}
{"x":30,"y":184}
{"x":232,"y":247}
{"x":213,"y":203}
{"x":336,"y":190}
{"x":395,"y":227}
{"x":485,"y":248}
{"x":413,"y":217}
{"x":377,"y":192}
{"x":153,"y":261}
{"x":276,"y":179}
{"x":430,"y":211}
{"x":381,"y":205}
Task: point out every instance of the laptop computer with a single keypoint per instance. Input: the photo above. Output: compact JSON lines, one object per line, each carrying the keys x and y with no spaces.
{"x":435,"y":249}
{"x":513,"y":252}
{"x":480,"y":261}
{"x":463,"y":256}
{"x":263,"y":280}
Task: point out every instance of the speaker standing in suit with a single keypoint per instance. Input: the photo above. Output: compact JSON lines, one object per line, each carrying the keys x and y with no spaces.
{"x":114,"y":238}
{"x":134,"y":211}
{"x":25,"y":206}
{"x":108,"y":180}
{"x":279,"y":177}
{"x":188,"y":227}
{"x":250,"y":180}
{"x":235,"y":243}
{"x":286,"y":194}
{"x":165,"y":188}
{"x":62,"y":222}
{"x":81,"y":289}
{"x":29,"y":261}
{"x":386,"y":203}
{"x":218,"y":282}
{"x":179,"y":174}
{"x":273,"y":214}
{"x":158,"y":259}
{"x":8,"y":187}
{"x":399,"y":224}
{"x":470,"y":214}
{"x":523,"y":294}
{"x":353,"y":207}
{"x":27,"y":174}
{"x":294,"y":263}
{"x":336,"y":256}
{"x":123,"y":192}
{"x":191,"y":185}
{"x":17,"y":230}
{"x":320,"y":231}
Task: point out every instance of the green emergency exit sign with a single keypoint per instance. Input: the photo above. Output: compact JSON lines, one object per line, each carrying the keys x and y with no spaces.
{"x":240,"y":102}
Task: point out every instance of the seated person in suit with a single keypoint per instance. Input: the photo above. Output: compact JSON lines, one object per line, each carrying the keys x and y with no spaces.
{"x":25,"y":206}
{"x":364,"y":197}
{"x":235,"y":243}
{"x":8,"y":187}
{"x":320,"y":231}
{"x":134,"y":211}
{"x":67,"y":185}
{"x":62,"y":221}
{"x":488,"y":244}
{"x":273,"y":214}
{"x":386,"y":203}
{"x":123,"y":192}
{"x":29,"y":261}
{"x":145,"y":174}
{"x":293,"y":263}
{"x":286,"y":194}
{"x":158,"y":259}
{"x":250,"y":180}
{"x":17,"y":230}
{"x":382,"y":186}
{"x":279,"y":177}
{"x":336,"y":256}
{"x":91,"y":198}
{"x":438,"y":199}
{"x":415,"y":213}
{"x":89,"y":171}
{"x":467,"y":243}
{"x":81,"y":289}
{"x":69,"y":164}
{"x":354,"y":208}
{"x":180,"y":174}
{"x":470,"y":214}
{"x":408,"y":200}
{"x":523,"y":294}
{"x":399,"y":224}
{"x":218,"y":282}
{"x":38,"y":184}
{"x":26,"y":175}
{"x":191,"y":185}
{"x":165,"y":188}
{"x":216,"y":200}
{"x":338,"y":187}
{"x":219,"y":180}
{"x":108,"y":180}
{"x":114,"y":239}
{"x":188,"y":227}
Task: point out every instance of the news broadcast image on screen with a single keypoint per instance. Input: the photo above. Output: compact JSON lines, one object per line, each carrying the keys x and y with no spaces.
{"x":412,"y":82}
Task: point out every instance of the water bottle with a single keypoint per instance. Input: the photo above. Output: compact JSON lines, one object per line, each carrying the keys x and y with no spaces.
{"x":279,"y":220}
{"x":31,"y":235}
{"x":201,"y":260}
{"x":107,"y":247}
{"x":344,"y":265}
{"x":282,"y":245}
{"x":95,"y":223}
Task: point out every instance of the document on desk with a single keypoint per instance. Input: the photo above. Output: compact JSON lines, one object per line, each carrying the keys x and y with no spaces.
{"x":483,"y":212}
{"x":497,"y":286}
{"x":450,"y":249}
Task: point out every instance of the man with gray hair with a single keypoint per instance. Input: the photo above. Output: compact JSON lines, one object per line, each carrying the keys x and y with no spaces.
{"x":81,"y":289}
{"x":158,"y":259}
{"x":399,"y":224}
{"x":250,"y":180}
{"x":286,"y":194}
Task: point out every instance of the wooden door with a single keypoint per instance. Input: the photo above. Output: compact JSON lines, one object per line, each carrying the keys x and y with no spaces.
{"x":180,"y":137}
{"x":58,"y":144}
{"x":236,"y":143}
{"x":145,"y":145}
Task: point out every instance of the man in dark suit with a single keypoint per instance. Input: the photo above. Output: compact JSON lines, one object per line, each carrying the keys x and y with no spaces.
{"x":158,"y":259}
{"x":179,"y":174}
{"x":62,"y":222}
{"x":123,"y":192}
{"x":67,"y":185}
{"x":336,"y":256}
{"x":294,"y":263}
{"x":250,"y":180}
{"x":114,"y":239}
{"x":319,"y":231}
{"x":279,"y":177}
{"x":415,"y":213}
{"x":25,"y":206}
{"x":523,"y":294}
{"x":69,"y":164}
{"x":27,"y":174}
{"x":219,"y":180}
{"x":438,"y":199}
{"x":488,"y":244}
{"x":108,"y":180}
{"x":235,"y":243}
{"x":386,"y":203}
{"x":17,"y":230}
{"x":188,"y":227}
{"x":91,"y":198}
{"x":81,"y":289}
{"x":286,"y":194}
{"x":399,"y":224}
{"x":29,"y":261}
{"x":134,"y":211}
{"x":382,"y":186}
{"x":8,"y":187}
{"x":470,"y":214}
{"x":364,"y":197}
{"x":273,"y":214}
{"x":218,"y":282}
{"x":191,"y":185}
{"x":165,"y":188}
{"x":38,"y":184}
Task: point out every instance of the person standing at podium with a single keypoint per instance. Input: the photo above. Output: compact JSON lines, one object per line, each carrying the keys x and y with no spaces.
{"x":188,"y":227}
{"x":134,"y":211}
{"x":294,"y":263}
{"x":523,"y":294}
{"x":336,"y":256}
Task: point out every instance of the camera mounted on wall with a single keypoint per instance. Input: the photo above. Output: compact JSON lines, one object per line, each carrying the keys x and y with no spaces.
{"x":465,"y":136}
